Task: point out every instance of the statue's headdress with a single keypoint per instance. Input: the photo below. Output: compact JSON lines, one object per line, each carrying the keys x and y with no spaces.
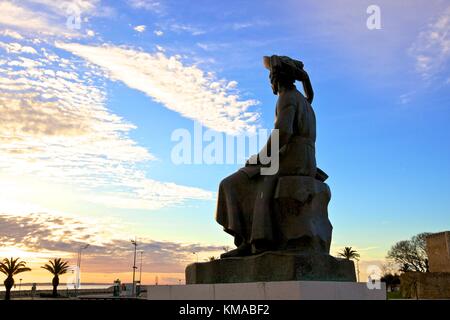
{"x":285,"y":69}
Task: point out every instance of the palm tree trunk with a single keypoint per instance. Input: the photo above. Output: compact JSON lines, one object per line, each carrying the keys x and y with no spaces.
{"x":8,"y":294}
{"x":55,"y":283}
{"x":9,"y":282}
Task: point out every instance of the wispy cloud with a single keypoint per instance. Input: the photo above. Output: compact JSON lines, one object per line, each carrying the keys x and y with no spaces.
{"x":431,"y":49}
{"x":44,"y":231}
{"x":249,"y":24}
{"x":55,"y":126}
{"x":337,"y":248}
{"x":140,"y":28}
{"x":19,"y":17}
{"x":188,"y":90}
{"x":11,"y":34}
{"x":109,"y":250}
{"x":62,"y":18}
{"x":15,"y":47}
{"x":150,"y":5}
{"x":61,"y":7}
{"x":178,"y":27}
{"x":209,"y":46}
{"x":241,"y":25}
{"x":45,"y":16}
{"x":405,"y":98}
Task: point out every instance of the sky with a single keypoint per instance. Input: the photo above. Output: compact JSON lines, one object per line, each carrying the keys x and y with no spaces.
{"x":93,"y":92}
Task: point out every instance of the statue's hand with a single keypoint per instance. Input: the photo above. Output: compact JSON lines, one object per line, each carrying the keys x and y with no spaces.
{"x":252,"y":161}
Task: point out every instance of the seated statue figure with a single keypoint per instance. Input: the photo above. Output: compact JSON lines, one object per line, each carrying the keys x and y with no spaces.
{"x":247,"y":199}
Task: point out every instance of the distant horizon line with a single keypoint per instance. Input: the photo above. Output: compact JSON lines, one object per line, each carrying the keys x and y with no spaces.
{"x":49,"y":283}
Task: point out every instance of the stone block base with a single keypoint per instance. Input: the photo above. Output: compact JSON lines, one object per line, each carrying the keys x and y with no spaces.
{"x":283,"y":290}
{"x":272,"y":266}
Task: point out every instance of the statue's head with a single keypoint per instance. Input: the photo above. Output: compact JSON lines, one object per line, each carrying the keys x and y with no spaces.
{"x":281,"y":71}
{"x":284,"y":71}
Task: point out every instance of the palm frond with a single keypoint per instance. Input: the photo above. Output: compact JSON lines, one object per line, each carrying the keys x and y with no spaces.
{"x":12,"y":266}
{"x":56,"y":266}
{"x":3,"y":269}
{"x":20,"y":270}
{"x":48,"y":267}
{"x":349,"y":253}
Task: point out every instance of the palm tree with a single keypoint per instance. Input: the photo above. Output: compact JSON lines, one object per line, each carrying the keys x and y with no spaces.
{"x":57,"y":268}
{"x":11,"y":267}
{"x":348,"y":253}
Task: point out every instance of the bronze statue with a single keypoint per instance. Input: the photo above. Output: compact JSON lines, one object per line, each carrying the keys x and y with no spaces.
{"x":279,"y":218}
{"x":288,"y":209}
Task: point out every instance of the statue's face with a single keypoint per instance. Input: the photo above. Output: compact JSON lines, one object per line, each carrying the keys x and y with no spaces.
{"x":273,"y":83}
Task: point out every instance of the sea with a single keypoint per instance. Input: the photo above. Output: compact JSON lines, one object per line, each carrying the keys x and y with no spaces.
{"x":48,"y":286}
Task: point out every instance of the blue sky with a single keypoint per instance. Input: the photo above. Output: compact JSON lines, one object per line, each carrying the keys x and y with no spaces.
{"x":136,"y":70}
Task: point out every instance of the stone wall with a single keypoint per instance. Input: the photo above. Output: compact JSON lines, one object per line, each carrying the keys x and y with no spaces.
{"x":438,"y":251}
{"x":430,"y":285}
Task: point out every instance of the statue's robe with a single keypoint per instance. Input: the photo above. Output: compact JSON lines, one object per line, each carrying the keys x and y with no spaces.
{"x":246,"y":198}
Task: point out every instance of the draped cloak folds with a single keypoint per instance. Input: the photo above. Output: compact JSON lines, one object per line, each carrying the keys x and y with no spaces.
{"x":246,"y":198}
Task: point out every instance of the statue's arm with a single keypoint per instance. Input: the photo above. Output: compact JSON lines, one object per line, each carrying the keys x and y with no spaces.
{"x":284,"y":123}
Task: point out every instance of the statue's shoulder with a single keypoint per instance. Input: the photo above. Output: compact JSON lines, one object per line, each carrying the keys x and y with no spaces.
{"x":300,"y":96}
{"x":290,"y":98}
{"x":301,"y":100}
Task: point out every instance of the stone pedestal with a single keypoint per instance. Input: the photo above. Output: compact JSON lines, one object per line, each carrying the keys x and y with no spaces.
{"x":300,"y":216}
{"x":284,"y":290}
{"x":272,"y":266}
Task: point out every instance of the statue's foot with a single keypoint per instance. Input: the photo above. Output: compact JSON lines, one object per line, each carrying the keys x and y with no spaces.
{"x":243,"y":250}
{"x":261,"y":246}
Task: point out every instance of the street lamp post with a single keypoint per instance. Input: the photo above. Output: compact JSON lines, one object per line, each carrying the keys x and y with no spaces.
{"x":140,"y":269}
{"x":20,"y":285}
{"x":133,"y":288}
{"x":357,"y":269}
{"x":78,"y":275}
